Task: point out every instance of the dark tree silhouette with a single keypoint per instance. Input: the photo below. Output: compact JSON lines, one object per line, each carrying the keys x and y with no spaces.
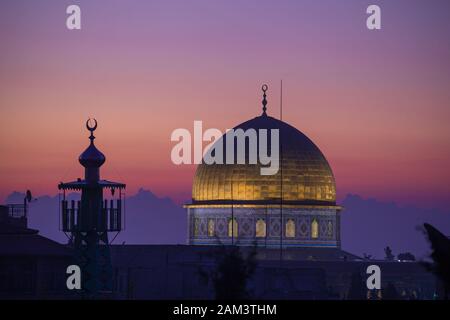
{"x":407,"y":256}
{"x":231,"y":273}
{"x":388,"y":254}
{"x":358,"y":290}
{"x":390,"y":293}
{"x":440,"y":245}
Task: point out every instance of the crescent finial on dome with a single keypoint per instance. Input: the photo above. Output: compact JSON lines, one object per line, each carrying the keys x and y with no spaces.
{"x":92,"y":157}
{"x":91,"y":129}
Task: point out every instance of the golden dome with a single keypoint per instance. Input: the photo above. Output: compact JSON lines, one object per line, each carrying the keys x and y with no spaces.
{"x":307,"y":176}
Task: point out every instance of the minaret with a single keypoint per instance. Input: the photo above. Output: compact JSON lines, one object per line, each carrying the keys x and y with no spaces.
{"x":88,"y":221}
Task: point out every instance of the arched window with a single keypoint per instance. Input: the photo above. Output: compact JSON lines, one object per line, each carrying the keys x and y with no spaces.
{"x":290,"y":228}
{"x":210,"y":227}
{"x":232,"y":228}
{"x":330,"y":229}
{"x":260,"y":228}
{"x":196,"y":227}
{"x":314,"y":229}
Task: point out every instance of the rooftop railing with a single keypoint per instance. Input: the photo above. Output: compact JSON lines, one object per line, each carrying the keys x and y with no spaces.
{"x":17,"y":210}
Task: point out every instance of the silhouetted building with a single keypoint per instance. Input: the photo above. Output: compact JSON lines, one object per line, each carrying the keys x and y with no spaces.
{"x":181,"y":272}
{"x":31,"y":266}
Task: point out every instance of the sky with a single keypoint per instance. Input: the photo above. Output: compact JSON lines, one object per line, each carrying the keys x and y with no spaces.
{"x":377,"y":103}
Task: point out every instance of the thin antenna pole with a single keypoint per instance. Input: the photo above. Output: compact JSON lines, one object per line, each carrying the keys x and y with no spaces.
{"x":281,"y":100}
{"x":266,"y":222}
{"x":281,"y":176}
{"x":232,"y":214}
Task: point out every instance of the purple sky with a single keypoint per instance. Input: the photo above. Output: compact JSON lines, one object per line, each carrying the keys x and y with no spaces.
{"x":375,"y":102}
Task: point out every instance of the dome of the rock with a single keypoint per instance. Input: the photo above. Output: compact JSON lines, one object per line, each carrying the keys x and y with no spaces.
{"x":304,"y":177}
{"x":234,"y":203}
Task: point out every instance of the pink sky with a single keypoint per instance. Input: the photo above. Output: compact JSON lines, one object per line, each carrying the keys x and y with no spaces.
{"x":377,"y":103}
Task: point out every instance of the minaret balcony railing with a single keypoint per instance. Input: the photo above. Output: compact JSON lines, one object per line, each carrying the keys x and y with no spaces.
{"x":105,"y":219}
